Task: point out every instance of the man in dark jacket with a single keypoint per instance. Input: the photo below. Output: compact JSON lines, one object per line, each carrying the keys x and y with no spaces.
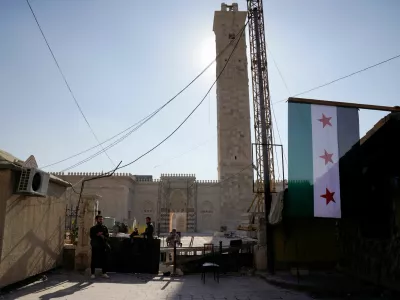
{"x":148,"y":233}
{"x":100,"y":248}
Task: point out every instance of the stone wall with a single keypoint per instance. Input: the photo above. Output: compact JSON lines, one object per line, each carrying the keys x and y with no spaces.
{"x":144,"y":201}
{"x":116,"y":193}
{"x":31,"y":230}
{"x":208,"y":208}
{"x":125,"y":197}
{"x":233,"y":116}
{"x":372,"y":256}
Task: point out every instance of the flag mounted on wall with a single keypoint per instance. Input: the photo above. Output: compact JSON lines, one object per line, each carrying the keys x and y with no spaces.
{"x":318,"y":136}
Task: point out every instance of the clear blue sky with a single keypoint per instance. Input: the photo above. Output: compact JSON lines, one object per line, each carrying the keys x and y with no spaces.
{"x":123,"y":59}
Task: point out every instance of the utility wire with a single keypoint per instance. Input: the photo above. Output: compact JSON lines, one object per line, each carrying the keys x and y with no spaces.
{"x":184,"y":153}
{"x":273,"y":114}
{"x":279,"y":71}
{"x":341,"y":78}
{"x":118,"y":141}
{"x":272,"y":108}
{"x":184,"y":121}
{"x":94,"y":147}
{"x":66,"y":82}
{"x":138,"y":124}
{"x":109,"y":146}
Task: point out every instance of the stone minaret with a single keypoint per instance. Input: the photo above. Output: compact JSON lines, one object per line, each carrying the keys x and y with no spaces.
{"x":233,"y":113}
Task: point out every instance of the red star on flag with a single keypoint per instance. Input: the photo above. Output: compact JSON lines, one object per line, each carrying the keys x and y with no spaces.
{"x":327,"y":157}
{"x":328,"y":196}
{"x":325,"y":121}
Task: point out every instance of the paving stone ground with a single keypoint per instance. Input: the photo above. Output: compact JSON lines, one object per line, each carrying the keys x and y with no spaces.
{"x":148,"y":287}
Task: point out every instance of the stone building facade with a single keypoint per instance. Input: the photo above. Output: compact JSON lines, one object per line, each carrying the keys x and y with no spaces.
{"x":126,"y":197}
{"x":197,"y":206}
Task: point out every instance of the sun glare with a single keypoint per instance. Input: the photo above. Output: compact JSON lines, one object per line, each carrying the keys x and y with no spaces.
{"x":206,"y":52}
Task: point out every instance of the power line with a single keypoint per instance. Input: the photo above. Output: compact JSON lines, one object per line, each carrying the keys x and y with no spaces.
{"x":186,"y":152}
{"x":65,"y":80}
{"x":99,"y":152}
{"x":109,"y":146}
{"x":279,"y":71}
{"x":273,"y":112}
{"x":140,"y":123}
{"x":168,"y":160}
{"x":341,"y":78}
{"x":184,"y":121}
{"x":91,"y":148}
{"x":272,"y":108}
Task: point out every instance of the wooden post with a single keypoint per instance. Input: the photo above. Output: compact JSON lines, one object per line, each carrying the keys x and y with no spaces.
{"x":345,"y":104}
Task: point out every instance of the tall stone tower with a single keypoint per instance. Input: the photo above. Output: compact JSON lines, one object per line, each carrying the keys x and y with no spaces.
{"x":233,"y":113}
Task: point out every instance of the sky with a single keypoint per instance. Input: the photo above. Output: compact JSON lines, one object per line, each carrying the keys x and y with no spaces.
{"x":124,"y":59}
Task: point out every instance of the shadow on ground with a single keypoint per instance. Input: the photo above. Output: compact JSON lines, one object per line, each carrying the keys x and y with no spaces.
{"x":64,"y":283}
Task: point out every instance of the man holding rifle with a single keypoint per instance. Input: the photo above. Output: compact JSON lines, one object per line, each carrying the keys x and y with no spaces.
{"x":100,"y":247}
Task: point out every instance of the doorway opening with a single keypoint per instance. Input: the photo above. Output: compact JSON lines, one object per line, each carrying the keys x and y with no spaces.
{"x":178,"y":221}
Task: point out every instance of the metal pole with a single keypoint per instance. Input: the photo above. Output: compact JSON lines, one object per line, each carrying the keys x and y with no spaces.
{"x":283,"y":169}
{"x":267,"y":192}
{"x":174,"y":257}
{"x":109,"y":174}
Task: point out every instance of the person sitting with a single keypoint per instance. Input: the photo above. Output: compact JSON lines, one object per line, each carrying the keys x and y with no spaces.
{"x":173,"y":238}
{"x":123,"y":228}
{"x":169,"y":239}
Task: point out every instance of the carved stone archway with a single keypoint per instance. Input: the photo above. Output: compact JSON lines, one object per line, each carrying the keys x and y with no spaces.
{"x":178,"y":201}
{"x":177,"y":194}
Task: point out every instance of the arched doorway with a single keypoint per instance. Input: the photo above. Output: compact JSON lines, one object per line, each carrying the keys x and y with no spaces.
{"x":178,"y":211}
{"x":178,"y":221}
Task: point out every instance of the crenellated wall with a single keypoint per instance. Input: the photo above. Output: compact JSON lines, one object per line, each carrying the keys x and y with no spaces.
{"x":116,"y":193}
{"x":127,"y":197}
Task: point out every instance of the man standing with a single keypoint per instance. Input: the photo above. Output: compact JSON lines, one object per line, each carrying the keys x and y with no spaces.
{"x":148,"y":233}
{"x":100,"y":248}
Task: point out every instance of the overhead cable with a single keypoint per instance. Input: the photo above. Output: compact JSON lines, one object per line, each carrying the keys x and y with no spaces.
{"x":343,"y":77}
{"x":191,"y":113}
{"x":66,"y":82}
{"x":140,"y":123}
{"x":151,"y":115}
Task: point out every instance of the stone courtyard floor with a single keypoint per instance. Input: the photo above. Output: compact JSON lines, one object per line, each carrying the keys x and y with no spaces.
{"x":143,"y":287}
{"x":63,"y":285}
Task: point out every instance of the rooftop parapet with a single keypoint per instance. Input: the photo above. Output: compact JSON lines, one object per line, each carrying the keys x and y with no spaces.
{"x":226,"y":7}
{"x":180,"y":176}
{"x":89,"y":174}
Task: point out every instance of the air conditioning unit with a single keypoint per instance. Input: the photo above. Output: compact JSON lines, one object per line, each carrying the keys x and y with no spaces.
{"x":33,"y":182}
